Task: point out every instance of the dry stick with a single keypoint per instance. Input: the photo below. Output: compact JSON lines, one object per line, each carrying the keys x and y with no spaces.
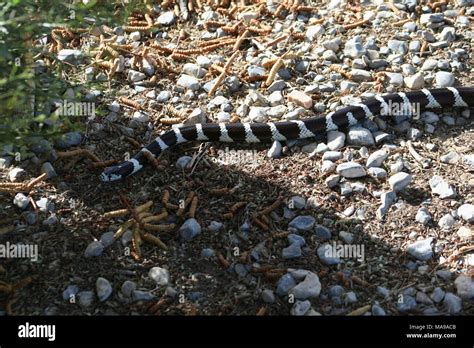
{"x":394,"y":8}
{"x":159,"y":228}
{"x":241,"y":39}
{"x":222,"y":75}
{"x":424,"y":47}
{"x":193,"y":207}
{"x":116,"y":213}
{"x":154,"y":240}
{"x":277,"y":40}
{"x":155,"y":218}
{"x":273,"y":71}
{"x":360,"y":311}
{"x":36,"y":180}
{"x":356,"y":24}
{"x":420,"y":159}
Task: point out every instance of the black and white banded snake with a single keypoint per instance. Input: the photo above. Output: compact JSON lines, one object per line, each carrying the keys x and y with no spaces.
{"x":450,"y":97}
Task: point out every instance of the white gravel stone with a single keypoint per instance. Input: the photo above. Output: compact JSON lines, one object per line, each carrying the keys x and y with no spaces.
{"x":446,"y":222}
{"x":360,"y":136}
{"x":465,"y":287}
{"x":400,"y":181}
{"x":376,"y":159}
{"x":188,"y":82}
{"x":421,"y":250}
{"x":161,"y":276}
{"x":423,"y":216}
{"x":444,"y":79}
{"x":351,"y":170}
{"x":335,"y":140}
{"x":441,"y":187}
{"x":416,"y":81}
{"x":466,"y":212}
{"x":103,"y":288}
{"x":21,"y":201}
{"x":167,"y":18}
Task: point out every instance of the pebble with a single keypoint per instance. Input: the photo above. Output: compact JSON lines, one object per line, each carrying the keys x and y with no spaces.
{"x":378,"y":173}
{"x":163,"y":96}
{"x":327,"y":255}
{"x":452,"y":303}
{"x":167,"y":18}
{"x":70,"y":56}
{"x":421,"y":250}
{"x":399,"y":181}
{"x":354,"y":49}
{"x":70,"y":291}
{"x":303,"y":223}
{"x":444,"y":79}
{"x":347,"y":237}
{"x":313,"y":31}
{"x":296,"y":202}
{"x":258,"y":114}
{"x":5,"y":162}
{"x":135,"y":36}
{"x":446,"y":222}
{"x":139,"y":295}
{"x":300,"y":308}
{"x":360,"y":136}
{"x":215,"y":226}
{"x":161,"y":276}
{"x":128,"y":287}
{"x":296,"y":239}
{"x":415,"y":81}
{"x":196,"y":116}
{"x":376,"y":159}
{"x":21,"y":201}
{"x":387,"y":199}
{"x":292,"y":251}
{"x":301,"y":99}
{"x":466,"y":212}
{"x":351,"y":170}
{"x":107,"y":239}
{"x":359,"y":75}
{"x":332,"y":180}
{"x":95,"y":248}
{"x":194,"y":70}
{"x":190,"y":229}
{"x":384,"y":292}
{"x":378,"y":311}
{"x":423,"y":216}
{"x":310,"y":287}
{"x":183,"y":162}
{"x":335,"y":140}
{"x":322,"y":232}
{"x":275,"y":150}
{"x":268,"y":296}
{"x":135,"y":76}
{"x":69,"y":139}
{"x":188,"y":82}
{"x":103,"y":288}
{"x":284,"y":284}
{"x":17,"y":174}
{"x":441,"y":187}
{"x":140,"y":117}
{"x":423,"y":298}
{"x":86,"y":298}
{"x":465,"y":287}
{"x":208,"y":253}
{"x":407,"y":304}
{"x":328,"y":166}
{"x":451,"y":157}
{"x":437,"y":295}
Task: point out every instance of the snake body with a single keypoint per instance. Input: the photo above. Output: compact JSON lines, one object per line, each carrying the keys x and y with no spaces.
{"x":426,"y":99}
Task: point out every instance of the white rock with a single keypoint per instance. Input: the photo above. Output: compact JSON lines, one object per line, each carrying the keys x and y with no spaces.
{"x":335,"y":140}
{"x":351,"y":170}
{"x":441,"y":187}
{"x":415,"y":81}
{"x":400,"y":181}
{"x":466,"y":212}
{"x":103,"y":288}
{"x":465,"y":287}
{"x":444,"y":79}
{"x":376,"y":159}
{"x":161,"y":276}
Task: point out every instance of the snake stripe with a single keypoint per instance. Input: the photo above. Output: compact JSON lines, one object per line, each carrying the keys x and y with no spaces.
{"x":424,"y":99}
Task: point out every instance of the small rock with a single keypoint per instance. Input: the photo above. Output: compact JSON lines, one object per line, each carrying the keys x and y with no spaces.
{"x":86,"y":298}
{"x":465,"y":287}
{"x":70,"y":292}
{"x":322,"y":232}
{"x":437,"y":295}
{"x":464,"y":233}
{"x":444,"y":79}
{"x":167,"y":18}
{"x":284,"y":284}
{"x":188,"y":82}
{"x":190,"y":229}
{"x":408,"y":303}
{"x":128,"y":287}
{"x":17,"y":174}
{"x":441,"y":187}
{"x":161,"y":276}
{"x":183,"y":162}
{"x":351,"y":170}
{"x":421,"y":250}
{"x":268,"y":296}
{"x":135,"y":76}
{"x":208,"y":253}
{"x":275,"y":150}
{"x":378,"y":311}
{"x":347,"y":237}
{"x":303,"y":223}
{"x":301,"y":99}
{"x":215,"y":226}
{"x":308,"y":288}
{"x":376,"y":159}
{"x":466,"y":212}
{"x":446,"y":222}
{"x":387,"y":199}
{"x":423,"y":216}
{"x":399,"y":181}
{"x":296,"y":239}
{"x":103,"y":288}
{"x":163,"y":96}
{"x":452,"y":303}
{"x":292,"y":251}
{"x":70,"y":56}
{"x":360,"y":136}
{"x":48,"y":169}
{"x":415,"y":81}
{"x":335,"y":140}
{"x":423,"y":298}
{"x":300,"y":308}
{"x":21,"y":201}
{"x":107,"y":239}
{"x":95,"y":248}
{"x":135,"y":36}
{"x":328,"y":255}
{"x":138,"y":295}
{"x":359,"y":75}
